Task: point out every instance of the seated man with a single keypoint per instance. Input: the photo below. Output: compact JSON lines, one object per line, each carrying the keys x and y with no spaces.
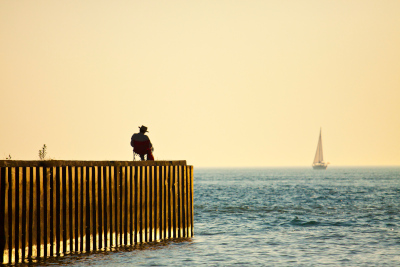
{"x":141,"y":144}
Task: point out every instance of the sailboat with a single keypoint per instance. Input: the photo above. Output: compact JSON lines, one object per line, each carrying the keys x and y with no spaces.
{"x":319,"y":163}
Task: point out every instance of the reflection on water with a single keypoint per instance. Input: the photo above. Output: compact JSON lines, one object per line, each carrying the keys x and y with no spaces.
{"x":102,"y":256}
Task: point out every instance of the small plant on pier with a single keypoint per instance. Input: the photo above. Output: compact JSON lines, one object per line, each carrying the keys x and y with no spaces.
{"x":43,"y":152}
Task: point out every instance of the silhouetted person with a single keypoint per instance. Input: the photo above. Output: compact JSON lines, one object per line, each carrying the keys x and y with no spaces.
{"x":141,"y":144}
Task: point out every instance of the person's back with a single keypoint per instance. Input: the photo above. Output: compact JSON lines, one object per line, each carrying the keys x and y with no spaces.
{"x":140,"y":137}
{"x":141,"y":144}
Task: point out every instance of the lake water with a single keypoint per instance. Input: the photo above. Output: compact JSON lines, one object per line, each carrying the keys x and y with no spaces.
{"x":279,"y":217}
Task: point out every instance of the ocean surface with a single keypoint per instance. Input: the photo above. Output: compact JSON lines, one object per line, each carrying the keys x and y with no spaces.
{"x":344,"y":216}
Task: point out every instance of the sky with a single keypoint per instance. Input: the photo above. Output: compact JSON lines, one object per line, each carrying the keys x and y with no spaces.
{"x":217,"y":83}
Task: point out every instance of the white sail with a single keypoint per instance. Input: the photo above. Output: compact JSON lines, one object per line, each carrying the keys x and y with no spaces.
{"x":319,"y":157}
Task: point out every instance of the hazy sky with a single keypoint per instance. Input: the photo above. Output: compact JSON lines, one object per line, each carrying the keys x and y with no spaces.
{"x":218,"y":83}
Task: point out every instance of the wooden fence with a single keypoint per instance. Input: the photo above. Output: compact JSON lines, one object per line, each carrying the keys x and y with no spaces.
{"x":52,"y":208}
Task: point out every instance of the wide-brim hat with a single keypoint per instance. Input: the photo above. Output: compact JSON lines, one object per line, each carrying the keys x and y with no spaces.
{"x":143,"y":128}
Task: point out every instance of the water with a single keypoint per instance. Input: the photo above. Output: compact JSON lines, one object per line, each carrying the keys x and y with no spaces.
{"x":280,"y":217}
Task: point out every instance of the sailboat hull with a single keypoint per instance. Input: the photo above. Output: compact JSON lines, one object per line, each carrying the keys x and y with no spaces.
{"x":320,"y":167}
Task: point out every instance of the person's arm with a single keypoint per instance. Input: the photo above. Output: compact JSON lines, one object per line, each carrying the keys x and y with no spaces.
{"x":132,"y":141}
{"x":151,"y":145}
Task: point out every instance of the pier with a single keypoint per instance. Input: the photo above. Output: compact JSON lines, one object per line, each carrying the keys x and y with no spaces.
{"x":52,"y":208}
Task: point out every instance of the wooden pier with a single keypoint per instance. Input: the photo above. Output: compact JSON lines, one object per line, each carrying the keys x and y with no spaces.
{"x":52,"y":208}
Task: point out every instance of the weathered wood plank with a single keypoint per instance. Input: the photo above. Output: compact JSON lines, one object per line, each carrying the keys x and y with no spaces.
{"x":84,"y":210}
{"x":71,"y":211}
{"x":137,"y":201}
{"x":118,"y":205}
{"x":147,"y":203}
{"x":41,"y":204}
{"x":107,"y":230}
{"x":163,"y":203}
{"x":128,"y":205}
{"x":33,"y":212}
{"x":123,"y":206}
{"x":180,"y":202}
{"x":5,"y":216}
{"x":184,"y":201}
{"x":176,"y":205}
{"x":100,"y":207}
{"x":157,"y":206}
{"x":191,"y":200}
{"x":143,"y":204}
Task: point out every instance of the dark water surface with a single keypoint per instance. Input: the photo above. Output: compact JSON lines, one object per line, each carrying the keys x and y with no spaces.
{"x":279,"y":217}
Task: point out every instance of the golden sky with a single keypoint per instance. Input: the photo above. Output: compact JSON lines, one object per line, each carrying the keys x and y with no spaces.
{"x":218,"y":83}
